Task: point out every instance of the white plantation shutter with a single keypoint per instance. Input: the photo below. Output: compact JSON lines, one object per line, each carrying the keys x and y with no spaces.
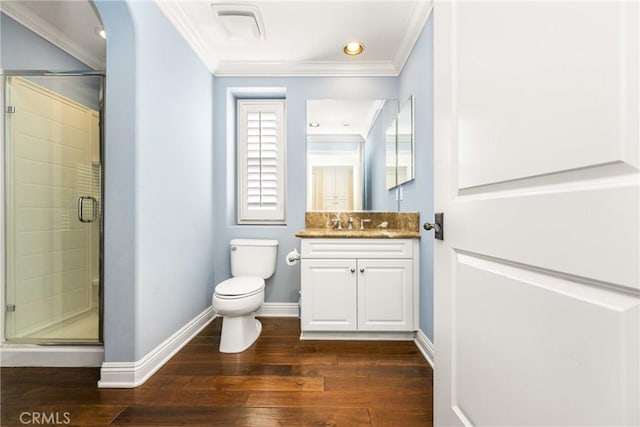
{"x":261,"y":166}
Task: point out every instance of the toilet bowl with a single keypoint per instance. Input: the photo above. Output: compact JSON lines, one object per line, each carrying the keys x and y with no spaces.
{"x":238,"y":298}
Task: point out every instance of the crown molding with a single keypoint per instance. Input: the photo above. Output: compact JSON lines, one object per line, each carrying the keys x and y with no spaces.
{"x":421,"y":13}
{"x":308,"y":69}
{"x":27,"y":18}
{"x":188,"y":31}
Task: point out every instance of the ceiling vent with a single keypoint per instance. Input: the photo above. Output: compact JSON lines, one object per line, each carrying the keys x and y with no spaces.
{"x":241,"y":22}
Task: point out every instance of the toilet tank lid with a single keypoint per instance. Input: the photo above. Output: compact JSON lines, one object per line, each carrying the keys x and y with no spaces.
{"x":240,"y":286}
{"x":253,"y":242}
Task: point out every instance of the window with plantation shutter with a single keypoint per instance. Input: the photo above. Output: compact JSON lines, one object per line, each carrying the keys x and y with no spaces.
{"x":261,"y":162}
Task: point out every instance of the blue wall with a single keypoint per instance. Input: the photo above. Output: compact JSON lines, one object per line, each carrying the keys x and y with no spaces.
{"x":158,"y":185}
{"x":119,"y":185}
{"x":175,"y":179}
{"x":415,"y":79}
{"x":285,"y":284}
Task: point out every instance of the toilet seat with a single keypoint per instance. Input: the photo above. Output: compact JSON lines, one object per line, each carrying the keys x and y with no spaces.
{"x":239,"y":287}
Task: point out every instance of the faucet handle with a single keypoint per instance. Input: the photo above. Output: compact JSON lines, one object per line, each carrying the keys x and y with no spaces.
{"x":362,"y":222}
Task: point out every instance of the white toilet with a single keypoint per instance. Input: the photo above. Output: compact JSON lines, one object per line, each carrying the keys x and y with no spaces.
{"x":237,"y":299}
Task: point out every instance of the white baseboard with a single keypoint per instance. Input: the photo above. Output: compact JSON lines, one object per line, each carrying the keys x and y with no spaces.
{"x":15,"y":355}
{"x":425,"y":346}
{"x":357,"y":335}
{"x":133,"y":374}
{"x":278,"y":309}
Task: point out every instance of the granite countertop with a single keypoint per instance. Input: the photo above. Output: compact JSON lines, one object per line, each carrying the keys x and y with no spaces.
{"x":357,"y":234}
{"x":378,"y":225}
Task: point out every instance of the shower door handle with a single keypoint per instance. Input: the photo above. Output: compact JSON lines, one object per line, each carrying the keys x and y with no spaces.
{"x":94,"y":208}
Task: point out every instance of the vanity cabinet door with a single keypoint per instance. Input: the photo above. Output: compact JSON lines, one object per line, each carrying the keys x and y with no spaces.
{"x":328,"y":300}
{"x":385,"y":295}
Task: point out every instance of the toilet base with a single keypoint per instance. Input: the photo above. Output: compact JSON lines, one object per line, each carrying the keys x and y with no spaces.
{"x":239,"y":333}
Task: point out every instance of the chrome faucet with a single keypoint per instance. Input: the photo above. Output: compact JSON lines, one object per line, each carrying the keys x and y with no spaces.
{"x":350,"y":224}
{"x":362,"y":221}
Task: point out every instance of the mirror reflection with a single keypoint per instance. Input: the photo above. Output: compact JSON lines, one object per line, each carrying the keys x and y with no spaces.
{"x":337,"y":131}
{"x":404,"y":141}
{"x":390,"y":144}
{"x":400,"y":147}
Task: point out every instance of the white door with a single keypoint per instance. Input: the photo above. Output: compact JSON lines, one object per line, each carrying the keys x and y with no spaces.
{"x":385,"y":295}
{"x":343,"y":187}
{"x":328,"y":300}
{"x":337,"y":187}
{"x":536,"y":171}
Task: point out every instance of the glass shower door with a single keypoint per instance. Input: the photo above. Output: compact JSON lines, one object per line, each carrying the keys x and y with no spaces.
{"x":53,"y":208}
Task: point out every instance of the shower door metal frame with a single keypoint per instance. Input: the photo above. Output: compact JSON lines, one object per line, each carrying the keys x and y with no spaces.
{"x":3,"y":223}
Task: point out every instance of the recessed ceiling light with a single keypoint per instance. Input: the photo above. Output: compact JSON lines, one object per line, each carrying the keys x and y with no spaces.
{"x":353,"y":48}
{"x":100,"y":31}
{"x":314,"y":124}
{"x":346,"y":125}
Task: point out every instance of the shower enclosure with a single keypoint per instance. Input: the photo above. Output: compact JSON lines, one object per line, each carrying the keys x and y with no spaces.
{"x":52,"y":208}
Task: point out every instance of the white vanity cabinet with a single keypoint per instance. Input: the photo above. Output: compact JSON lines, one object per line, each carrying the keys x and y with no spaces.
{"x":329,"y":295}
{"x":359,"y":286}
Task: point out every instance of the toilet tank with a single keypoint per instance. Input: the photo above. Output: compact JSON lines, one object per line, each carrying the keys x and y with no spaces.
{"x":253,"y":257}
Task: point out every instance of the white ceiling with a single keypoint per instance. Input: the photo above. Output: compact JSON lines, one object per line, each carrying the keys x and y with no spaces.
{"x":304,"y":37}
{"x":301,"y":38}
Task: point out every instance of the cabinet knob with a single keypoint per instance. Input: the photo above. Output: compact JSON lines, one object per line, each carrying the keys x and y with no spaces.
{"x":353,"y":270}
{"x":362,"y":270}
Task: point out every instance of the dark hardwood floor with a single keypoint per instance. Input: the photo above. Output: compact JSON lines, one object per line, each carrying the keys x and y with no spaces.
{"x":279,"y":381}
